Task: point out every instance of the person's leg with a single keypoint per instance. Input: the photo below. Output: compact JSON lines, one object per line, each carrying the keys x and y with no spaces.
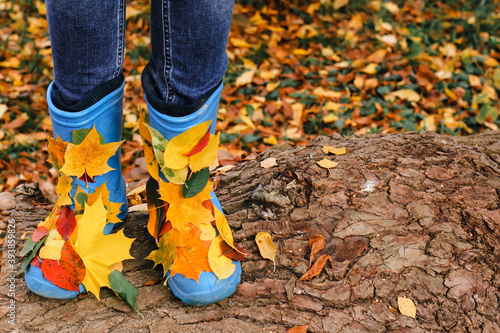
{"x":87,"y":38}
{"x":188,"y":41}
{"x":183,"y":84}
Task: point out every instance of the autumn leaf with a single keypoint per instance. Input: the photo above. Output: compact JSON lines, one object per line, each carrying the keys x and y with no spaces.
{"x":56,"y":150}
{"x":333,"y":150}
{"x":167,"y":250}
{"x":90,"y":157}
{"x":266,"y":246}
{"x":183,"y":210}
{"x":66,"y":273}
{"x":177,"y":177}
{"x":195,"y":183}
{"x":63,"y":190}
{"x":66,"y":222}
{"x":268,"y":163}
{"x":206,"y":156}
{"x":40,"y":232}
{"x":221,"y":265}
{"x":316,"y":268}
{"x":237,"y":252}
{"x":298,"y":329}
{"x":407,"y":307}
{"x":224,"y":228}
{"x":112,"y":208}
{"x":192,"y":255}
{"x":316,"y":244}
{"x":149,"y":153}
{"x":404,"y":94}
{"x":156,"y":208}
{"x":175,"y":150}
{"x":52,"y":247}
{"x":99,"y":251}
{"x":327,"y":164}
{"x":201,"y":145}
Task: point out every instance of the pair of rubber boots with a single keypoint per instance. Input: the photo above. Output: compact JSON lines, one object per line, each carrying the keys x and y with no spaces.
{"x":106,"y":115}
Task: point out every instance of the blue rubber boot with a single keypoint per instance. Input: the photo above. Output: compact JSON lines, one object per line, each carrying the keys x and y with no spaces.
{"x":106,"y":115}
{"x":209,"y":289}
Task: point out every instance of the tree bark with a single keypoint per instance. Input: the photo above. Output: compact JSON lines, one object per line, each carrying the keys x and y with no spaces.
{"x":411,"y":215}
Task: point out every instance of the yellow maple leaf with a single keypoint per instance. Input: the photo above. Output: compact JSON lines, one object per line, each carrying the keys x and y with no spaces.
{"x":99,"y":251}
{"x":62,"y":189}
{"x":49,"y":222}
{"x":149,"y":154}
{"x":89,"y":156}
{"x":183,"y":210}
{"x":56,"y":150}
{"x":206,"y":157}
{"x":221,"y":265}
{"x":112,"y":208}
{"x":175,"y":150}
{"x":192,"y":254}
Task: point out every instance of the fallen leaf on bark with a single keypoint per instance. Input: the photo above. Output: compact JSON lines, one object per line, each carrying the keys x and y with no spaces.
{"x":266,"y":246}
{"x":407,"y":307}
{"x":268,"y":163}
{"x":333,"y":150}
{"x":298,"y":329}
{"x":316,"y":268}
{"x":316,"y":244}
{"x":327,"y":164}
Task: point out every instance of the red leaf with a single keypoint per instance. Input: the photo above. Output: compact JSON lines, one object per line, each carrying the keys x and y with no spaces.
{"x":66,"y":222}
{"x":86,"y":178}
{"x":165,"y":227}
{"x":35,"y":262}
{"x":202,"y":144}
{"x":39,"y":233}
{"x":232,"y":253}
{"x":66,"y":273}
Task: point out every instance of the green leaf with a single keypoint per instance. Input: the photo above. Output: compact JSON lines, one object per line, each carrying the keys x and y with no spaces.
{"x":28,"y":246}
{"x":79,"y":136}
{"x":31,"y":255}
{"x":159,"y":144}
{"x":196,"y":183}
{"x":167,"y":250}
{"x":124,"y":289}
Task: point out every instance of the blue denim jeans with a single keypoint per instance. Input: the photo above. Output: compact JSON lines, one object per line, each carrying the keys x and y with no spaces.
{"x":188,"y":44}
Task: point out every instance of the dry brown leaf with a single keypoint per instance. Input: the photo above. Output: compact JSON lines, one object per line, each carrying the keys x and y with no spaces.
{"x":316,"y":269}
{"x":266,"y":246}
{"x":316,"y":244}
{"x":268,"y":163}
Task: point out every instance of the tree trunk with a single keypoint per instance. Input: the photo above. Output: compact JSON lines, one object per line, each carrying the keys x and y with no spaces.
{"x":411,"y":215}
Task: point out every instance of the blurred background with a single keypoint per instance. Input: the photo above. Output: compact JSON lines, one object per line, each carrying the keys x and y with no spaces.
{"x":298,"y":69}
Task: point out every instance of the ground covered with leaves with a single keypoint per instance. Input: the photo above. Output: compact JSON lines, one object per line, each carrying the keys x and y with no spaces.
{"x":297,"y":69}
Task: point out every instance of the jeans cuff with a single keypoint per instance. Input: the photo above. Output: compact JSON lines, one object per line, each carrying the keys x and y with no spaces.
{"x":94,"y":96}
{"x":170,"y":109}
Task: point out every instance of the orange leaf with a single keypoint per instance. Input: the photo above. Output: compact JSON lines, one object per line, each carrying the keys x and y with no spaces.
{"x":66,"y":273}
{"x":149,"y":154}
{"x":316,"y":244}
{"x":56,"y":150}
{"x":316,"y":268}
{"x":183,"y":210}
{"x":192,"y":255}
{"x":298,"y":329}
